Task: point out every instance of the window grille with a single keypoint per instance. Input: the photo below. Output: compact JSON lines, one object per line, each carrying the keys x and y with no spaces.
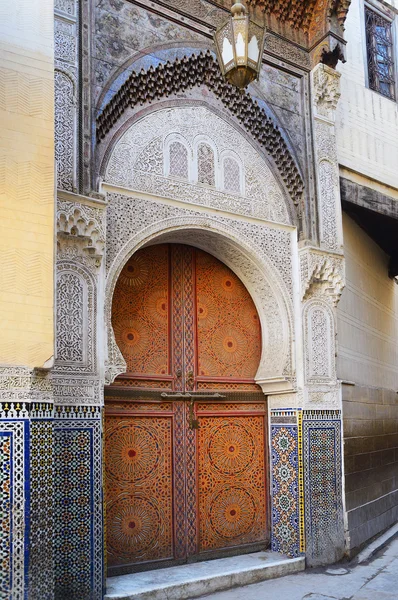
{"x":206,"y":173}
{"x":178,"y":160}
{"x":231,"y":176}
{"x":379,"y":46}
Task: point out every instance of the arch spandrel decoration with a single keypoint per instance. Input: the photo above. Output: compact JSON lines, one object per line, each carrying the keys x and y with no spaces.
{"x":134,"y":164}
{"x":271,"y":296}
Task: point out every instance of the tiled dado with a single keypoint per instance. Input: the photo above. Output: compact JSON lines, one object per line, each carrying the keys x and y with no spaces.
{"x":323,"y":486}
{"x":78,"y":526}
{"x":50,"y":502}
{"x":286,"y":480}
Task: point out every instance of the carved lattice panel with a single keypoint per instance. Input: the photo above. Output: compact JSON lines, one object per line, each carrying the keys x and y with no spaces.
{"x":140,"y":311}
{"x":231,"y":485}
{"x":138,"y":489}
{"x":229,"y":336}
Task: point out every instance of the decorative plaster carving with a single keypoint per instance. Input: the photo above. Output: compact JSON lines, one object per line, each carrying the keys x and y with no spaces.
{"x":81,"y":232}
{"x":66,"y":6}
{"x":65,"y":109}
{"x":69,"y":390}
{"x":287,"y":51}
{"x":81,"y":241}
{"x":259,"y":255}
{"x":126,"y":167}
{"x":21,"y":384}
{"x":319,"y":342}
{"x":76,"y":319}
{"x":322,"y":275}
{"x":323,"y":398}
{"x":65,"y":40}
{"x":326,"y":90}
{"x":194,"y":71}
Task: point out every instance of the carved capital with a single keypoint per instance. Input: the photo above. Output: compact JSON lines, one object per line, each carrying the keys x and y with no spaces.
{"x":325,"y":90}
{"x":322,"y":274}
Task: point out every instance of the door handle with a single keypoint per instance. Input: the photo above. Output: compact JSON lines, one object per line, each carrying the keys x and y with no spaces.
{"x":193,"y":423}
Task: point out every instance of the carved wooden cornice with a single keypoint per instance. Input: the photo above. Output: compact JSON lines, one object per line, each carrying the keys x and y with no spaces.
{"x":202,"y":69}
{"x":302,"y":14}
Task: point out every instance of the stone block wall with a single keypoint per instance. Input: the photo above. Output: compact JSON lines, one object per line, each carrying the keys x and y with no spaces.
{"x":367,"y":327}
{"x":371,"y":462}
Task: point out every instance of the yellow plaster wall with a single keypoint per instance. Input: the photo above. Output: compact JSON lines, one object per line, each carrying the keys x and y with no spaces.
{"x":26,"y":182}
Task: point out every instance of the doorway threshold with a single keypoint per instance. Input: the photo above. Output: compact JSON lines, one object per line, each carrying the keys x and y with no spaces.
{"x":201,"y":578}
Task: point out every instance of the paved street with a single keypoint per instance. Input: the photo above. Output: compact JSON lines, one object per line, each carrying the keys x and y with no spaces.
{"x":375,"y":580}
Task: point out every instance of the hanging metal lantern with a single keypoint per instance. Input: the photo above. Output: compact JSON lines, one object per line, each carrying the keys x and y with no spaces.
{"x":240,"y":44}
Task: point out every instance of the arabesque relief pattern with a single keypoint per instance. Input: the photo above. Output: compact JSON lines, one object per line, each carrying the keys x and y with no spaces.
{"x":138,"y":161}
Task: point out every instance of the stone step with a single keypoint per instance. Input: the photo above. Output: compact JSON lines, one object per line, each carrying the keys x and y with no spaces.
{"x":197,"y":579}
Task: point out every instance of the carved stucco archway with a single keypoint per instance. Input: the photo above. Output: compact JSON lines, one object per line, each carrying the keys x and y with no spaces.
{"x":258,"y":274}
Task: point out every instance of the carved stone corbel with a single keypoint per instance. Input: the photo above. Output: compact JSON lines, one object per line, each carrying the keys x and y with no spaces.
{"x":80,"y":232}
{"x":322,"y":274}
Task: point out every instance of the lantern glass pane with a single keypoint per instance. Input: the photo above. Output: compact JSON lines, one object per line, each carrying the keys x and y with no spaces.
{"x":253,"y":49}
{"x":227,"y":51}
{"x":256,"y":45}
{"x":224,"y":41}
{"x":241,"y":26}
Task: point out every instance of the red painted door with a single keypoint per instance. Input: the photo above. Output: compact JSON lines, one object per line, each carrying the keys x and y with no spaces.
{"x":185,"y":426}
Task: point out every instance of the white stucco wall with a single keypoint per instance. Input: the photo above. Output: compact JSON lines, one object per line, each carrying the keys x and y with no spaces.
{"x":367,"y":314}
{"x":366,"y":122}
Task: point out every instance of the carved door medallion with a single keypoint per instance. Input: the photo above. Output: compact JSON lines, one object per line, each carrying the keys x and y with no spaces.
{"x":185,"y":431}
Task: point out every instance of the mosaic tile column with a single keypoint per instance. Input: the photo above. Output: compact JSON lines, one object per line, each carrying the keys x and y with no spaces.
{"x":286,"y":476}
{"x":323,"y":486}
{"x":41,"y":450}
{"x":78,"y":534}
{"x":25,"y":484}
{"x":14,"y":500}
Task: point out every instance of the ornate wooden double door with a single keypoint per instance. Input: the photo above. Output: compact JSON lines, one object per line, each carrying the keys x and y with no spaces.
{"x":185,"y":427}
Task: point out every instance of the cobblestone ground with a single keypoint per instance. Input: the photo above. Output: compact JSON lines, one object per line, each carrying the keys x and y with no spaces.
{"x":375,"y":580}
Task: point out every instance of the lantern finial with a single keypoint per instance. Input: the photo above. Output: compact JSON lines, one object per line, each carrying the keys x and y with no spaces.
{"x":240,"y":44}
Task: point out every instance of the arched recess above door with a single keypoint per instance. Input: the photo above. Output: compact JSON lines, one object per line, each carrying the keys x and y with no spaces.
{"x":184,"y":321}
{"x":140,"y":160}
{"x":268,"y":287}
{"x":186,"y":77}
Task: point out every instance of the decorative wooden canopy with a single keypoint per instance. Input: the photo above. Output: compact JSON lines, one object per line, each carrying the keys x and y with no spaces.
{"x":308,"y":15}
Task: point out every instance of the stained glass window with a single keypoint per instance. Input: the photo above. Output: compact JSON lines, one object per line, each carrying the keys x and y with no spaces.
{"x":379,"y":46}
{"x":178,"y":160}
{"x":206,"y":169}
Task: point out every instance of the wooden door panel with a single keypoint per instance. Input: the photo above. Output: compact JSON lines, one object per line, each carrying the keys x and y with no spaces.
{"x":139,"y":489}
{"x":140,"y":313}
{"x":228,"y":327}
{"x":231,"y":486}
{"x":184,"y":323}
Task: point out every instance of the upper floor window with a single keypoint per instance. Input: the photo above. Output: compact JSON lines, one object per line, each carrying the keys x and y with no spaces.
{"x":379,"y":44}
{"x":206,"y":167}
{"x":178,"y":160}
